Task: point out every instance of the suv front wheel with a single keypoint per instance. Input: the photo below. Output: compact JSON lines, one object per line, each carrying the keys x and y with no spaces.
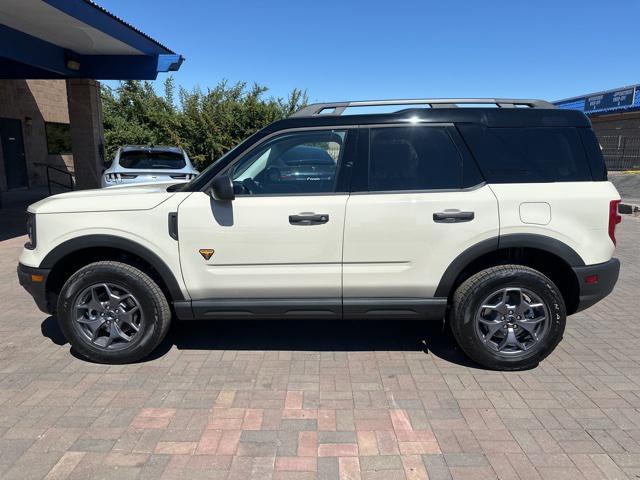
{"x":508,"y":317}
{"x":112,"y":312}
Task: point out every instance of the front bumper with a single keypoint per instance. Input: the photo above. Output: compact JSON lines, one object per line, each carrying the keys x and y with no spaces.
{"x":606,"y":275}
{"x":34,"y":281}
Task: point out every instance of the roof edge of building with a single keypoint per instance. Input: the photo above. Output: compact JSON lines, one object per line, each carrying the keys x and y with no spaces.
{"x":601,"y":92}
{"x":128,"y":25}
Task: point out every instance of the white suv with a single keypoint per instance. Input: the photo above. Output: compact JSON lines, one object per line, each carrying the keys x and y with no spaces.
{"x":136,"y":164}
{"x":499,"y":219}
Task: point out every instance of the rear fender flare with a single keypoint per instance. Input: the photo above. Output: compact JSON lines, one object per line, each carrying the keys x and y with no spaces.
{"x":526,"y":240}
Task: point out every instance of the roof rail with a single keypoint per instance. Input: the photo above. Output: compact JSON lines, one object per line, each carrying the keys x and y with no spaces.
{"x":338,"y":108}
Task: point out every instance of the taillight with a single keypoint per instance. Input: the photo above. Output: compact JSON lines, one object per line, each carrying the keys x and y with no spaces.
{"x":614,"y":219}
{"x":118,"y":177}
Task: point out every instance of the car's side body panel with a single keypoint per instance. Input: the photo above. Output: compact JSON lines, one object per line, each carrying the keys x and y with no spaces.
{"x":258,"y":253}
{"x":578,"y":214}
{"x":394,"y":248}
{"x":146,"y":228}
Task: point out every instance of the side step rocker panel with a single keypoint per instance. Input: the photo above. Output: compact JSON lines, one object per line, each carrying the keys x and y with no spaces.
{"x":312,"y":309}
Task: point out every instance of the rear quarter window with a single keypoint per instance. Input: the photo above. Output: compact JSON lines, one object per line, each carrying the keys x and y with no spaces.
{"x":529,"y":154}
{"x":594,"y":154}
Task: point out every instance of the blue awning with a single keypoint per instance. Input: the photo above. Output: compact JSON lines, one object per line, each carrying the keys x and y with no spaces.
{"x":76,"y":39}
{"x":620,"y":100}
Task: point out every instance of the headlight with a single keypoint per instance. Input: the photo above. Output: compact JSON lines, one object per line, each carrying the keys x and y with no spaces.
{"x":31,"y":231}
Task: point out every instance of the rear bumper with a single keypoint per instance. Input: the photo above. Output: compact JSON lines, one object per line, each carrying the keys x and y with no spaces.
{"x":592,"y":293}
{"x":34,"y":281}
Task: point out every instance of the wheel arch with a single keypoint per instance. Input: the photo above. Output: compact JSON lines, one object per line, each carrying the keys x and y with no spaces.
{"x":550,"y":256}
{"x":80,"y":251}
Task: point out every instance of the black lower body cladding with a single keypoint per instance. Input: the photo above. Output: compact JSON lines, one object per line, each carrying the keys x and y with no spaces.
{"x":34,"y":281}
{"x":596,"y":282}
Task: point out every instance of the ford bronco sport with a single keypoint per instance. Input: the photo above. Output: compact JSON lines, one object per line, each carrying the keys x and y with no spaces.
{"x":495,"y":214}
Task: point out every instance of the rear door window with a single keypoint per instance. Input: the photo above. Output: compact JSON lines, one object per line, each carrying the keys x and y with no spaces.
{"x":528,"y":155}
{"x":413,"y":158}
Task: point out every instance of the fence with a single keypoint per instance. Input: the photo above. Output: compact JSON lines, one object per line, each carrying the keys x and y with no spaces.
{"x":620,"y":152}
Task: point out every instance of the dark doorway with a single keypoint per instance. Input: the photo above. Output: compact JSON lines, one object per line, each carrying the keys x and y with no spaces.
{"x":15,"y":166}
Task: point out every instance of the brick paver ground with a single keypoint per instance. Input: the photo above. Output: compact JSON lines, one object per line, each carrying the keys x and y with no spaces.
{"x":321,"y":400}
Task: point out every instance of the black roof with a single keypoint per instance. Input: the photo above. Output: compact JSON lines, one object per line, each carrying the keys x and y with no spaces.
{"x":491,"y":117}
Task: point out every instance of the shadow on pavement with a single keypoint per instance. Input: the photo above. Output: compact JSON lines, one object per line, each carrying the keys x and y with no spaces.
{"x":13,"y":210}
{"x":288,"y":335}
{"x":13,"y":223}
{"x":51,"y":330}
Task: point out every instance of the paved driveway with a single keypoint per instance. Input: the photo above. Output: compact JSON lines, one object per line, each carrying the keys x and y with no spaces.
{"x":321,"y":400}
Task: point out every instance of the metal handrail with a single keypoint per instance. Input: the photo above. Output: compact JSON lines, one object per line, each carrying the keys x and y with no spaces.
{"x":338,"y":108}
{"x":50,"y":181}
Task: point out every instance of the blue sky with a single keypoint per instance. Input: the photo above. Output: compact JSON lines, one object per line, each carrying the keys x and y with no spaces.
{"x":365,"y":49}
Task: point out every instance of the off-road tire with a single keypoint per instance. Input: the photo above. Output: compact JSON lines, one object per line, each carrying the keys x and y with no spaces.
{"x":152,"y":301}
{"x":467,"y":302}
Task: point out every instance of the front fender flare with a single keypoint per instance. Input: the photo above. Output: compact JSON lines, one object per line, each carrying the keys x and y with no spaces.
{"x":111,"y":241}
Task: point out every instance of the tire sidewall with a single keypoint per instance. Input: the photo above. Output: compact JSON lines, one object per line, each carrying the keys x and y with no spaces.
{"x":143,"y":342}
{"x":523,"y":278}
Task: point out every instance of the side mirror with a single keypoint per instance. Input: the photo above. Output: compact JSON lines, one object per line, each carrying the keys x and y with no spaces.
{"x":222,"y":188}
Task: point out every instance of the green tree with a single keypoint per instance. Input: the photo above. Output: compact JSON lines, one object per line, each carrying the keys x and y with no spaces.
{"x":205,"y":123}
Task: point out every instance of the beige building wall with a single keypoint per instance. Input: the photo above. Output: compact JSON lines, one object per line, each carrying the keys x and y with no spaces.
{"x":35,"y":102}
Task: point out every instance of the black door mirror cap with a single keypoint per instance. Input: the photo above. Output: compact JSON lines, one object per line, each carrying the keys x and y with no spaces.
{"x":222,"y":188}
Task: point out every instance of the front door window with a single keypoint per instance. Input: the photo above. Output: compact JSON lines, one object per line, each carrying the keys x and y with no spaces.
{"x":294,"y":163}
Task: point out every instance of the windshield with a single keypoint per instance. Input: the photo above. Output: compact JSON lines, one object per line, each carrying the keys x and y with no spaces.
{"x":152,"y":160}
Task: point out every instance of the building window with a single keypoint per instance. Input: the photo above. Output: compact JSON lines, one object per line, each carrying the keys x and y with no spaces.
{"x":58,"y":138}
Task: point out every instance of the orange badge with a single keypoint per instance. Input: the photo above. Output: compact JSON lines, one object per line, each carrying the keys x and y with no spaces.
{"x":206,"y":253}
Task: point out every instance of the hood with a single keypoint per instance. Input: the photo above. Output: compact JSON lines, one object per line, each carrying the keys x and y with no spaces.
{"x":121,"y":197}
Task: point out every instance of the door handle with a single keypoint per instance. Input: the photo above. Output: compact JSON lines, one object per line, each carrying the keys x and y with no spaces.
{"x":453,"y":216}
{"x":309,"y":219}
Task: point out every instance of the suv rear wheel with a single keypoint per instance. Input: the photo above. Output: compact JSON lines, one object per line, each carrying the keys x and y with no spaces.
{"x":112,"y":312}
{"x":508,"y":317}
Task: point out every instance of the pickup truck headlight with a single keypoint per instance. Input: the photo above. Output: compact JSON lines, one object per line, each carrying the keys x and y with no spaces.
{"x":31,"y":231}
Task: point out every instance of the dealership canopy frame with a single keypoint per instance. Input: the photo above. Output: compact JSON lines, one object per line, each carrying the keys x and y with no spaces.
{"x":66,"y":39}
